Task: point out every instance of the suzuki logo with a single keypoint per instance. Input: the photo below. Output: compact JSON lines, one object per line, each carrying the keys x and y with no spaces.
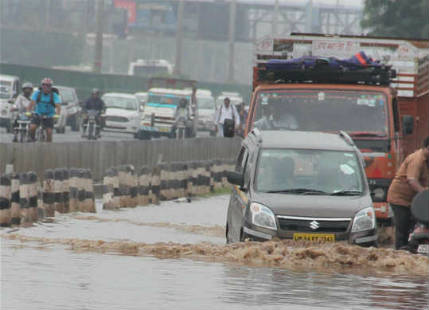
{"x":314,"y":225}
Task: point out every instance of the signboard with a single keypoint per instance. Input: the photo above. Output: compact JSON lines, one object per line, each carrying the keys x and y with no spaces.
{"x":334,"y":48}
{"x":130,"y":6}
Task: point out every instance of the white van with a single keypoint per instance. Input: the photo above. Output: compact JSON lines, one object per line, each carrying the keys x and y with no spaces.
{"x":206,"y":111}
{"x":9,"y":89}
{"x":234,"y":97}
{"x":149,"y":68}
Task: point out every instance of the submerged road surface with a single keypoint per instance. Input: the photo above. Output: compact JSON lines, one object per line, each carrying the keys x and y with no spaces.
{"x":173,"y":256}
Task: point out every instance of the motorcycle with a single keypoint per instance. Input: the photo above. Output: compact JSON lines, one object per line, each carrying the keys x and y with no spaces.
{"x":418,"y":241}
{"x":91,"y":126}
{"x":23,"y":127}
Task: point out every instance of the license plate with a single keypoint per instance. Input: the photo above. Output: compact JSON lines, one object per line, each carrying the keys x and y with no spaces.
{"x":164,"y":129}
{"x":314,"y":237}
{"x":423,"y":249}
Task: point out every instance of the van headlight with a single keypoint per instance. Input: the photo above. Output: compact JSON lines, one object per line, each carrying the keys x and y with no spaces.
{"x":379,"y":194}
{"x":364,"y":220}
{"x":262,"y":216}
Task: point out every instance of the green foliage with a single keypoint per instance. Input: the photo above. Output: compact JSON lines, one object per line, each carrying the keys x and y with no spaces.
{"x":397,"y":18}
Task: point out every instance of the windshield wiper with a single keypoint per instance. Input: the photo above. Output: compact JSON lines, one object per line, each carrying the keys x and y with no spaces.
{"x":346,"y":193}
{"x":366,"y":134}
{"x":302,"y":191}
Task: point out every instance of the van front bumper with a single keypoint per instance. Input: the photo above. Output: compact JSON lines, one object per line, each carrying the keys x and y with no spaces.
{"x":257,"y":233}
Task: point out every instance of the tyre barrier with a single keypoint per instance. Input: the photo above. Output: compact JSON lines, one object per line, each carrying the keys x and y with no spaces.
{"x":123,"y":187}
{"x":23,"y":200}
{"x":5,"y":200}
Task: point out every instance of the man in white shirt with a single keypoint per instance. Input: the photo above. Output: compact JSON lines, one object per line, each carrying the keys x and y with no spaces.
{"x":21,"y":105}
{"x":226,"y":114}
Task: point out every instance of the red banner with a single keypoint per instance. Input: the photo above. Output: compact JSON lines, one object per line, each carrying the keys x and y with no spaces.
{"x":130,"y":6}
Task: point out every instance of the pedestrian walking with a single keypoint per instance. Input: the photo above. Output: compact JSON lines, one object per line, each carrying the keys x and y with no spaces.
{"x":227,"y":119}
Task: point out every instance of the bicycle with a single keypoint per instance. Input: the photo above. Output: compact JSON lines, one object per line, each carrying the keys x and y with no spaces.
{"x":41,"y":133}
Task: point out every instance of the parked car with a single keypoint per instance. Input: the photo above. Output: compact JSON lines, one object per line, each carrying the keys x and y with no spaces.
{"x":302,"y":186}
{"x":123,"y":113}
{"x":70,"y":105}
{"x":206,"y":111}
{"x":9,"y":90}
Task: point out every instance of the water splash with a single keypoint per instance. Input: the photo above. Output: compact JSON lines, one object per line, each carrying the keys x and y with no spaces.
{"x":286,"y":254}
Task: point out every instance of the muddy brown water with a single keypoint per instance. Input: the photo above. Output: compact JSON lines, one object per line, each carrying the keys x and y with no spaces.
{"x":174,"y":256}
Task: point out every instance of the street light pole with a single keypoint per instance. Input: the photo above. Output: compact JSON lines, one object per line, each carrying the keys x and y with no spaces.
{"x":98,"y":55}
{"x":231,"y":39}
{"x":179,"y":38}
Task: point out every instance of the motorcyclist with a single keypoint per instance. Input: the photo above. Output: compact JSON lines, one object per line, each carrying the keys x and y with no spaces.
{"x":182,"y":115}
{"x":94,"y":103}
{"x":21,"y":105}
{"x":44,"y":102}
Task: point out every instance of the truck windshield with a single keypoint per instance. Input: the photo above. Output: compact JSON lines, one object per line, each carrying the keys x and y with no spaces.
{"x":322,"y":110}
{"x":308,"y":171}
{"x":164,"y":100}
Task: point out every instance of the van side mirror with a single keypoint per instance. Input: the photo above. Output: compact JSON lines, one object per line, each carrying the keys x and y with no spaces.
{"x":407,"y":125}
{"x":235,"y":178}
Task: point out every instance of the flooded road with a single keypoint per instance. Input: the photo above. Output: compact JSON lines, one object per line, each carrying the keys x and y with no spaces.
{"x":174,"y":256}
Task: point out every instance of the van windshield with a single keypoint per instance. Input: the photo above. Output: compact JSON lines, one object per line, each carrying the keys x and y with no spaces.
{"x":5,"y":89}
{"x":317,"y":171}
{"x":322,"y":110}
{"x":118,"y":102}
{"x":206,"y":103}
{"x":149,"y":70}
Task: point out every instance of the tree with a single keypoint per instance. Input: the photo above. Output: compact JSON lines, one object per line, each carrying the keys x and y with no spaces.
{"x":397,"y":18}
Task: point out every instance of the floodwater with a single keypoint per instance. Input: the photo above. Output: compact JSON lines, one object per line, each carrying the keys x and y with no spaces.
{"x":174,"y":256}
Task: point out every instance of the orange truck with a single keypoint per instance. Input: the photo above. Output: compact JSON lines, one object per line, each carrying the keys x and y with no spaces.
{"x":387,"y":118}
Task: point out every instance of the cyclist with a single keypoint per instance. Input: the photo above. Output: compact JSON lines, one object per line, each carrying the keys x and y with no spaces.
{"x":45,"y":102}
{"x":94,"y":103}
{"x":22,"y":103}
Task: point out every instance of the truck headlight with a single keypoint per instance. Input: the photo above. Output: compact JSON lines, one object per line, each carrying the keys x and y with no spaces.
{"x":262,"y":216}
{"x":364,"y":220}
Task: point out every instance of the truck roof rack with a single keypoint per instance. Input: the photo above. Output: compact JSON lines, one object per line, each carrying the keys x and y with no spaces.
{"x":273,"y":72}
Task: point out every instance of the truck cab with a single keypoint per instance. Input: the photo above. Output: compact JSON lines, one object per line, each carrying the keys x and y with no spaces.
{"x":385,"y":111}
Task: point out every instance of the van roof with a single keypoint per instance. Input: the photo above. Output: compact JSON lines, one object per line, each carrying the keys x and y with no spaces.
{"x":6,"y":77}
{"x":303,"y":140}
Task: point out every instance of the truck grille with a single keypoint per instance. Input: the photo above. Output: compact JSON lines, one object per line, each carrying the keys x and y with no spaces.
{"x":304,"y":225}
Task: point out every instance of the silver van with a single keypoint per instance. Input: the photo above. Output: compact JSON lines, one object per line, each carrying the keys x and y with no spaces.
{"x":302,"y":186}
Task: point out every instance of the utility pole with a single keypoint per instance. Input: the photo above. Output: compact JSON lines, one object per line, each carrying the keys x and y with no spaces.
{"x":231,"y":39}
{"x":179,"y":38}
{"x":275,"y":19}
{"x":98,"y":55}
